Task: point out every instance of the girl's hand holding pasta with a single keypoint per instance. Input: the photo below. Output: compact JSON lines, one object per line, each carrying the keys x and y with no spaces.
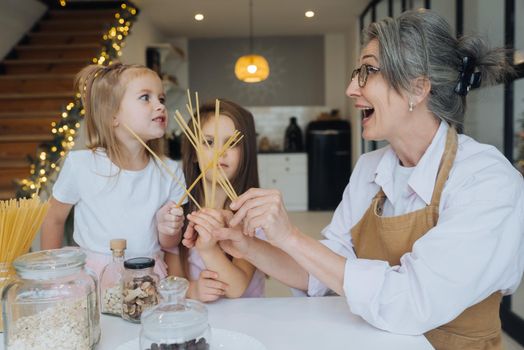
{"x":169,"y":220}
{"x":207,"y":287}
{"x":204,"y":222}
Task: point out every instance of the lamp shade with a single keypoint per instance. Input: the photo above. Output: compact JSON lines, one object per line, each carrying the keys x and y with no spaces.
{"x":252,"y":68}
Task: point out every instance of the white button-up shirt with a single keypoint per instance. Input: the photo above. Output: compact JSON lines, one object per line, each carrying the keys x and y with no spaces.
{"x":476,"y":248}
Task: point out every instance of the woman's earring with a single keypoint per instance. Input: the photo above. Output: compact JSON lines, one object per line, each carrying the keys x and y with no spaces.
{"x":411,"y":105}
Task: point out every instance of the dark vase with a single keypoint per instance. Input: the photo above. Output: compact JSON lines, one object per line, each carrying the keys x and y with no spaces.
{"x":293,"y":138}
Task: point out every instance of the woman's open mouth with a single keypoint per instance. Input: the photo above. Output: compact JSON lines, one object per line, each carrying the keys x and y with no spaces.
{"x":367,"y":113}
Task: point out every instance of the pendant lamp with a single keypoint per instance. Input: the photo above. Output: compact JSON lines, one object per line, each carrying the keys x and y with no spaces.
{"x":251,"y":68}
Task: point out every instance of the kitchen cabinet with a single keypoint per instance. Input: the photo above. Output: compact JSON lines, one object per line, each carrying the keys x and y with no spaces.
{"x":286,"y":172}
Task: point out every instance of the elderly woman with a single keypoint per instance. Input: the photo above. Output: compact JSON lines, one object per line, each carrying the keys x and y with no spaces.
{"x":429,"y":234}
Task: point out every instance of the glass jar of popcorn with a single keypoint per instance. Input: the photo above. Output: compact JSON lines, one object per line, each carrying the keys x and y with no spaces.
{"x":176,"y":323}
{"x":52,"y":304}
{"x":139,"y":288}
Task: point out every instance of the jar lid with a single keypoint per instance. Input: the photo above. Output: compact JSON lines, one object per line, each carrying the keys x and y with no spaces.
{"x":49,"y":263}
{"x":139,"y":263}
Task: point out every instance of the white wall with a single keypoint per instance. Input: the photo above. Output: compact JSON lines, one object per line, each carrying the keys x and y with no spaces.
{"x":484,"y":119}
{"x":143,"y":33}
{"x":16,"y":18}
{"x":335,"y":70}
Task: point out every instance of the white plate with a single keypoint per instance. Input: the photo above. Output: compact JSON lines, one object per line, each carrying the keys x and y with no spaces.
{"x":222,"y":339}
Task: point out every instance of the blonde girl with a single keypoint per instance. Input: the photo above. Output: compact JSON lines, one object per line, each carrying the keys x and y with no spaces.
{"x":115,"y":186}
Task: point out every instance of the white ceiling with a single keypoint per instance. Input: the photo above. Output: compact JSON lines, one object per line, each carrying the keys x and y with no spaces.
{"x":230,"y":18}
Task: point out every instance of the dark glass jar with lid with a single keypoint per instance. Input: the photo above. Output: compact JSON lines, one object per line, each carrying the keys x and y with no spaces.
{"x":139,"y":289}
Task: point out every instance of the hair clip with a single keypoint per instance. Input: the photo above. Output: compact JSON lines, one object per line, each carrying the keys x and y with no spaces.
{"x":468,"y":79}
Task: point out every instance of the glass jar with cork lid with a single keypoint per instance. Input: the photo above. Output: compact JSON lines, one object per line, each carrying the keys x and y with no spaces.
{"x":111,"y":279}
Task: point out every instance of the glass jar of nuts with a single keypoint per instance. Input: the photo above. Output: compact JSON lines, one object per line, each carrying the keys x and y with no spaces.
{"x":139,"y":290}
{"x":176,"y":323}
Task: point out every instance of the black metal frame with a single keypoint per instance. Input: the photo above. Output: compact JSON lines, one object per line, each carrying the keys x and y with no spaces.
{"x":512,"y":323}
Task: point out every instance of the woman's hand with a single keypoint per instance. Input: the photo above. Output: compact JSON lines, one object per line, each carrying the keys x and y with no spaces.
{"x":207,"y":287}
{"x":261,"y":208}
{"x":233,"y":241}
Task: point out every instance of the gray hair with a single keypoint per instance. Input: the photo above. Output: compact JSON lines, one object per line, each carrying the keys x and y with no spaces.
{"x":419,"y":43}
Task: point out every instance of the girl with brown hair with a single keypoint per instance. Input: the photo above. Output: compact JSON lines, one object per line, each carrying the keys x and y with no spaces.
{"x":213,"y":273}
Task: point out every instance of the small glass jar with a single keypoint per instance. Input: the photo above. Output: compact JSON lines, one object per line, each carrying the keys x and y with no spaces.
{"x":111,"y":280}
{"x":139,"y":290}
{"x":53,"y":304}
{"x":176,"y":323}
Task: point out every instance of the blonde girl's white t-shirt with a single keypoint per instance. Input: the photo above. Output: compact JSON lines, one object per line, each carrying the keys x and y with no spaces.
{"x":112,"y":203}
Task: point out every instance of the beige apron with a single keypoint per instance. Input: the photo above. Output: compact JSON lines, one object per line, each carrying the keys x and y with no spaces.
{"x":388,"y":238}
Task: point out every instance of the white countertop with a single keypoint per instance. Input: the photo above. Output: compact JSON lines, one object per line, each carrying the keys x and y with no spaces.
{"x":283,"y":324}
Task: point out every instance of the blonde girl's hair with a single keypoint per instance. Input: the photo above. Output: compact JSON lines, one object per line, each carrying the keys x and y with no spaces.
{"x":101,"y":89}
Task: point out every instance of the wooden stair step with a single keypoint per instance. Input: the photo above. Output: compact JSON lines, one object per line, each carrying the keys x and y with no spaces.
{"x":18,"y":147}
{"x":79,"y":51}
{"x":81,"y":14}
{"x":9,"y":175}
{"x":52,"y":25}
{"x":25,"y":138}
{"x":33,"y":126}
{"x":7,"y":194}
{"x":28,"y":102}
{"x":30,"y":114}
{"x":63,"y":66}
{"x":14,"y":164}
{"x":69,"y":37}
{"x":36,"y":83}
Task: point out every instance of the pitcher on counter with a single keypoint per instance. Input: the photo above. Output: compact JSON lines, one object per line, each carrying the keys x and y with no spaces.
{"x":429,"y":234}
{"x":116,"y":187}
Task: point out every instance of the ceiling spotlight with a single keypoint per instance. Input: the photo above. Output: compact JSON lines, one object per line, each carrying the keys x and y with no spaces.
{"x":309,"y":14}
{"x":199,"y":17}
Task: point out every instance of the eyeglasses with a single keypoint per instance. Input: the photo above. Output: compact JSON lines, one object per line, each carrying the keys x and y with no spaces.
{"x":363,"y":73}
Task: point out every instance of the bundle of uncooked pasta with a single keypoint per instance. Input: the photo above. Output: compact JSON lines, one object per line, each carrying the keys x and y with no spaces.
{"x":20,"y":220}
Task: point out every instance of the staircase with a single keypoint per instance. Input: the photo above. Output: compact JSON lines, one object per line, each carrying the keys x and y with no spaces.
{"x":36,"y":82}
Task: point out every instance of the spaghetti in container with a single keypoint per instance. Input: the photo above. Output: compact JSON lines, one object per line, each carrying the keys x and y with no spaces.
{"x":20,"y":220}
